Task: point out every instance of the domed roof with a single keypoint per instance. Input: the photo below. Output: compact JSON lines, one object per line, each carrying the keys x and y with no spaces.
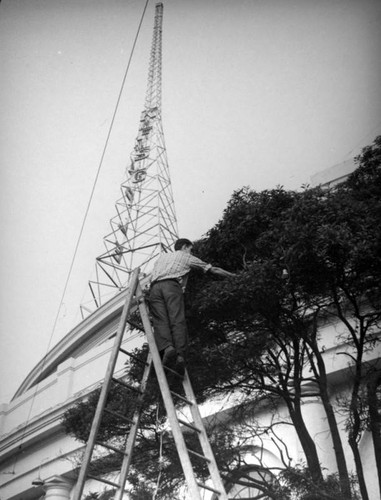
{"x":93,"y":330}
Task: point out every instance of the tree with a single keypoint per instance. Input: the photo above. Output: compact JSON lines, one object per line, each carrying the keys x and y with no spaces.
{"x":330,"y":244}
{"x":259,"y":334}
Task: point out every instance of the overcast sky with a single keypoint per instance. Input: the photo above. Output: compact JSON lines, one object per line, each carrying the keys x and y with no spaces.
{"x":255,"y":92}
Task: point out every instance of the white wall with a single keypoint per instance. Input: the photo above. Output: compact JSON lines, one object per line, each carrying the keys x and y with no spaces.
{"x":32,"y":421}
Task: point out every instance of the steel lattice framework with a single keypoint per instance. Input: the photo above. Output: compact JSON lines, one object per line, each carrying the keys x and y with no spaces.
{"x":145,"y":222}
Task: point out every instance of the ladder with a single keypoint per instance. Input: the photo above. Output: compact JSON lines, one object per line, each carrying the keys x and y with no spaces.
{"x":135,"y":299}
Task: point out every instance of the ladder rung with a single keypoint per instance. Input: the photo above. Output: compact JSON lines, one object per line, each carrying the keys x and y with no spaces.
{"x":132,"y":356}
{"x":173,"y":371}
{"x":198,"y":455}
{"x":118,"y":415}
{"x":102,"y":480}
{"x":110,"y":447}
{"x":182,"y":398}
{"x":206,"y":487}
{"x":128,"y":386}
{"x":187,"y":424}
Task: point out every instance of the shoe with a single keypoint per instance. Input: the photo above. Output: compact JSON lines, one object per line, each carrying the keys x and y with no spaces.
{"x":169,"y":357}
{"x":180,"y":366}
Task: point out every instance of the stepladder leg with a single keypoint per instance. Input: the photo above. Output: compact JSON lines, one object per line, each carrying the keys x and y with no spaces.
{"x":169,"y":406}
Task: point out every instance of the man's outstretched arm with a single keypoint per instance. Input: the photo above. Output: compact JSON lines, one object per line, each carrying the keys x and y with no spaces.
{"x":218,"y":271}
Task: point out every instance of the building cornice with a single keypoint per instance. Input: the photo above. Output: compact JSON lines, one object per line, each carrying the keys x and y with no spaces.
{"x":39,"y":429}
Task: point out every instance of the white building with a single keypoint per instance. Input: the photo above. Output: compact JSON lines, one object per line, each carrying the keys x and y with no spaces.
{"x":333,"y":175}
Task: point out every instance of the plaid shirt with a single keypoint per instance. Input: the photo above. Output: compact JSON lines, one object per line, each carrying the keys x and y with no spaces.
{"x":177,"y":266}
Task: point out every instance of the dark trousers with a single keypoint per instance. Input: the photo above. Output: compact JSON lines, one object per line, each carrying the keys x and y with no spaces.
{"x":168,"y":316}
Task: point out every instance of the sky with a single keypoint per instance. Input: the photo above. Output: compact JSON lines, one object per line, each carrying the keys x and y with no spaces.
{"x":256,"y":93}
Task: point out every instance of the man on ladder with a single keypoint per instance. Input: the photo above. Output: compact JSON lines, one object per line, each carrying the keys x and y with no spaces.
{"x":168,"y":282}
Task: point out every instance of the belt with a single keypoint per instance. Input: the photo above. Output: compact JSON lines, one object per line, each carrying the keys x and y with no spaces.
{"x":166,"y":279}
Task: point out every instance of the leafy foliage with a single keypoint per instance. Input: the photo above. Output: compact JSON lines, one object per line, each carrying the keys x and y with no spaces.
{"x":298,"y":480}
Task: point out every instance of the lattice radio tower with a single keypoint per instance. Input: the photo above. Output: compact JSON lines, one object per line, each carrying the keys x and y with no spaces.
{"x":145,"y":222}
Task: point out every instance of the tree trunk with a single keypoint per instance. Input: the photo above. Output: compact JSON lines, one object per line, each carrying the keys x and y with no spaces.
{"x":375,"y":423}
{"x":359,"y":469}
{"x":354,"y":433}
{"x":358,"y":338}
{"x":307,"y":443}
{"x":293,"y":403}
{"x":355,"y":418}
{"x":345,"y":484}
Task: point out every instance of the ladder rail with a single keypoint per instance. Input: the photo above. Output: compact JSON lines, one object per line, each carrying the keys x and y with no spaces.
{"x":106,"y":386}
{"x":203,"y":438}
{"x":133,"y":432}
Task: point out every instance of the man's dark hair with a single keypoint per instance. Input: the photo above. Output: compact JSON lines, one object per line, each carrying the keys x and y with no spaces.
{"x":181,"y":242}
